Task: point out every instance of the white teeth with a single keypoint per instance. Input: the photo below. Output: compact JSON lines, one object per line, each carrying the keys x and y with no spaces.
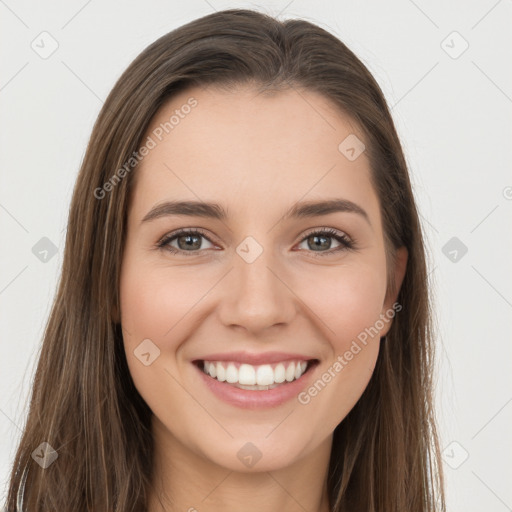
{"x":290,"y":372}
{"x":247,"y":376}
{"x":264,"y":375}
{"x":280,"y":374}
{"x":221,"y":372}
{"x":231,"y":373}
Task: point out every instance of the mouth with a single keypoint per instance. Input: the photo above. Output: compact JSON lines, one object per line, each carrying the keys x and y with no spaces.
{"x":262,"y":377}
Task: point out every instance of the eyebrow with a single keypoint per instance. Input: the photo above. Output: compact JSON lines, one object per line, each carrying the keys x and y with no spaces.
{"x":305,"y":209}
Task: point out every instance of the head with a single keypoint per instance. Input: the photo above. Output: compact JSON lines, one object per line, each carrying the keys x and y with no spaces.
{"x":262,"y":118}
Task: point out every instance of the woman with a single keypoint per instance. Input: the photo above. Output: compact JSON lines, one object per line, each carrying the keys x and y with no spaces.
{"x":243,"y":310}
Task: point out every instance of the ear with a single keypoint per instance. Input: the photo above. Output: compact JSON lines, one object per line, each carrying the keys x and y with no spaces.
{"x":401,"y":257}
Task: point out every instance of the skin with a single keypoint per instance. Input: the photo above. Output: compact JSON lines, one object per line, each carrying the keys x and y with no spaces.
{"x":257,"y":155}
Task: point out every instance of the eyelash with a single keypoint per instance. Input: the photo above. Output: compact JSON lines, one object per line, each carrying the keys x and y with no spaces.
{"x":345,"y":241}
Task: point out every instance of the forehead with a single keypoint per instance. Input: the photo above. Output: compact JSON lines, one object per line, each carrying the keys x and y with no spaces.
{"x":250,"y":149}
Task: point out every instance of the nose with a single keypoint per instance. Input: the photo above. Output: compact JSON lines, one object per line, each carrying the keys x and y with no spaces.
{"x":256,"y":295}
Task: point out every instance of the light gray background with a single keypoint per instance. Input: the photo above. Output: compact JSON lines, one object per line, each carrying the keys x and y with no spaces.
{"x":453,"y":115}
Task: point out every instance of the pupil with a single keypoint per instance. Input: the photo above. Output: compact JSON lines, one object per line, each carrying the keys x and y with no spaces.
{"x":325,"y":245}
{"x":188,"y":244}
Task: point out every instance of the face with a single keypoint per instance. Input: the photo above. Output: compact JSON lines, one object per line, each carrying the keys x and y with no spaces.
{"x":273,"y":287}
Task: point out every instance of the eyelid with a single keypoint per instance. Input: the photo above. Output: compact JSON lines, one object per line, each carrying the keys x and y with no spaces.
{"x":325,"y":229}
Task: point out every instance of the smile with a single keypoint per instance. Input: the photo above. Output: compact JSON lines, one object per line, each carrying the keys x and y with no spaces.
{"x":256,"y":378}
{"x":256,"y":386}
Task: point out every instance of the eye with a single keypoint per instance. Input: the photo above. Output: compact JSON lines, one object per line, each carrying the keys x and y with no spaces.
{"x":188,"y":241}
{"x":319,"y":240}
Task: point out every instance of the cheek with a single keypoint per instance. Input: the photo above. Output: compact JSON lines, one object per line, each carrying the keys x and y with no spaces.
{"x":350,"y":305}
{"x":154,"y":306}
{"x":348,"y":299}
{"x":155,"y":301}
{"x":162,"y":305}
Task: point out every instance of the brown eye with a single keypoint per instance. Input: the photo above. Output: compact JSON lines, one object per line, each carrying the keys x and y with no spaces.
{"x":187,"y":241}
{"x":321,"y":241}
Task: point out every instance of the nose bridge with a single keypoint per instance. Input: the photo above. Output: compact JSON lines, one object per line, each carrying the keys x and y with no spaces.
{"x":257,"y":296}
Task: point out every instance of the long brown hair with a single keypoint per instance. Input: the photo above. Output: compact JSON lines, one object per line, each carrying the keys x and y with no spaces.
{"x":385,"y":454}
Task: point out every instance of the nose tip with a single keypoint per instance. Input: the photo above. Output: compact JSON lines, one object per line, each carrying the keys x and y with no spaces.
{"x":257,"y":297}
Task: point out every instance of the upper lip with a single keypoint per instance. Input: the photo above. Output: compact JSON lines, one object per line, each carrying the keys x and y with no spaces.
{"x":254,"y":358}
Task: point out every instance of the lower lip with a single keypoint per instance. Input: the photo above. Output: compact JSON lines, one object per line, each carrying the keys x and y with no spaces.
{"x":254,"y":399}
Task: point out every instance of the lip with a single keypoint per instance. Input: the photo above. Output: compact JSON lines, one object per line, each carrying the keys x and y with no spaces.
{"x":253,"y":399}
{"x":255,"y":359}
